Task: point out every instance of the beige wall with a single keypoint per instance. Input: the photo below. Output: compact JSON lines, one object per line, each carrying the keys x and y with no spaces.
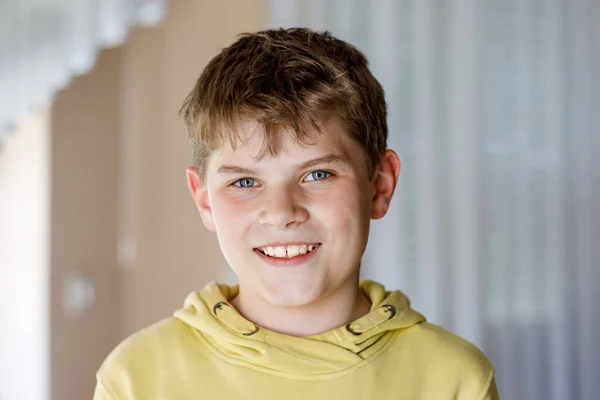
{"x":85,"y":129}
{"x":119,"y":187}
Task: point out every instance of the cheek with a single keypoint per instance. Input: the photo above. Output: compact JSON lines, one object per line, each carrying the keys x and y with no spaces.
{"x":231,"y":215}
{"x":344,"y":210}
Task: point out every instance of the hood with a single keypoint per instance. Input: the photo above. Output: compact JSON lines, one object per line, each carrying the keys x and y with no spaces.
{"x":229,"y":335}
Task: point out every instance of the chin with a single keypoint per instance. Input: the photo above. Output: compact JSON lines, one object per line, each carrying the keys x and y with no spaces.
{"x":292,"y":294}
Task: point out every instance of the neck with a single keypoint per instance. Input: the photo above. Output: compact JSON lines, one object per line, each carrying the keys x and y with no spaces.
{"x":335,"y":310}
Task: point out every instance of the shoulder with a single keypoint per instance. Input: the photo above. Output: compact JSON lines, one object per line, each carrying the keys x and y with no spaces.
{"x":445,"y":356}
{"x":152,"y":340}
{"x":135,"y":358}
{"x":433,"y":339}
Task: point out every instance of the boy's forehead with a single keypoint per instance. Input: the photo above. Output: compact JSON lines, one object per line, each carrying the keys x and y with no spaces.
{"x":328,"y":144}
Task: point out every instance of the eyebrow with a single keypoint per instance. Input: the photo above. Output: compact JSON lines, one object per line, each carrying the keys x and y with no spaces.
{"x":327,"y":159}
{"x":233,"y":169}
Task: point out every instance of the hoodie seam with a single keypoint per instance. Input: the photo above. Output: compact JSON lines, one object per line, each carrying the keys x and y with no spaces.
{"x":105,"y":387}
{"x":264,"y":340}
{"x":486,"y":388}
{"x":321,"y":377}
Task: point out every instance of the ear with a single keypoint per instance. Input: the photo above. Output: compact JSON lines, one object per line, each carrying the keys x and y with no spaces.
{"x":200,"y":195}
{"x":384,"y":183}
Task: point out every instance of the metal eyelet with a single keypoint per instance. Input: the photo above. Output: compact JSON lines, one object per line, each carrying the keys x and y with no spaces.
{"x":223,"y":303}
{"x":349,"y":329}
{"x":251,"y":333}
{"x":392,"y":309}
{"x":218,"y":305}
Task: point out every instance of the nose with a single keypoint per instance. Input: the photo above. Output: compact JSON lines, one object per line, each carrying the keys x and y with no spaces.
{"x":282,"y":208}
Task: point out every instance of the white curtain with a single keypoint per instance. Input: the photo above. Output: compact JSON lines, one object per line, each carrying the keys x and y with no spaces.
{"x":43,"y":43}
{"x":495,"y":229}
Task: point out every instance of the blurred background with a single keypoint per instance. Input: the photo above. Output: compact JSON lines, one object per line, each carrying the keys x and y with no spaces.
{"x":494,"y":233}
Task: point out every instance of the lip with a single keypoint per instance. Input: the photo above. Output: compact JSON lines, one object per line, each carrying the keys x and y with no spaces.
{"x":287,"y":262}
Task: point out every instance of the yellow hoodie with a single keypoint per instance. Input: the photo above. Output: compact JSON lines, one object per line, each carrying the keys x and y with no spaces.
{"x":209,"y":351}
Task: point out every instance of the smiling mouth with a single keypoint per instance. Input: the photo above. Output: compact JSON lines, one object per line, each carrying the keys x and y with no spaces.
{"x":286,"y":252}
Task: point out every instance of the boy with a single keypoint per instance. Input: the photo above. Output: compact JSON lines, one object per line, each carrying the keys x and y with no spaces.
{"x":288,"y":131}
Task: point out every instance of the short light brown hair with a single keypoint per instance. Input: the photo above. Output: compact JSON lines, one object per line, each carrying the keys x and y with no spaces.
{"x":285,"y":79}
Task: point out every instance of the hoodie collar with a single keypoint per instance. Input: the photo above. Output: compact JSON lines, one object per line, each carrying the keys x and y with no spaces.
{"x":234,"y":338}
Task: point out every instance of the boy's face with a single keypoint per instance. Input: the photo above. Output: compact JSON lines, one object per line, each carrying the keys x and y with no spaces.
{"x":269,"y":213}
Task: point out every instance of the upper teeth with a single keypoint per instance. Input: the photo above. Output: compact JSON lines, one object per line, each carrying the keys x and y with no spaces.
{"x":287,"y":251}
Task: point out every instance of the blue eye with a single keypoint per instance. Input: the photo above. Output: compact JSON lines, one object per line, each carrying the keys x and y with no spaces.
{"x":245,"y":183}
{"x":317,"y":176}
